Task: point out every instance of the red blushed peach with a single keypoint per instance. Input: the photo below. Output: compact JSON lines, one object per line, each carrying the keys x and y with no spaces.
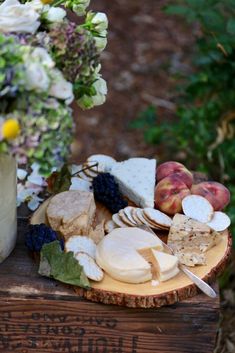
{"x":169,"y":194}
{"x":217,"y":194}
{"x":169,"y":168}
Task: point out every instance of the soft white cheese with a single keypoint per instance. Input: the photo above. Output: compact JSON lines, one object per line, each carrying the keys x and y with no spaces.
{"x":118,"y":255}
{"x":136,"y":179}
{"x":166,"y":265}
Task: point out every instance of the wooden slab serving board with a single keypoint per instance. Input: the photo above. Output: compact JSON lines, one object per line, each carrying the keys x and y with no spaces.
{"x":111,"y":291}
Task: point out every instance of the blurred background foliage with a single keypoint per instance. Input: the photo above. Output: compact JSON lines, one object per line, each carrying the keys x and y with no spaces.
{"x":203,"y":132}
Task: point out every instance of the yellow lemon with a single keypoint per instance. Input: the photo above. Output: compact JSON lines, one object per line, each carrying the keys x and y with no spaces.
{"x":10,"y":129}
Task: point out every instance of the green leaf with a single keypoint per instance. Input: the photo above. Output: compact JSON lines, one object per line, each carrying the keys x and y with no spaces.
{"x":61,"y":266}
{"x":231,"y":26}
{"x":59,"y":181}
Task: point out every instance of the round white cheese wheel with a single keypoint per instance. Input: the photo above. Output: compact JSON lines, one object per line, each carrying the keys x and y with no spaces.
{"x":117,"y":254}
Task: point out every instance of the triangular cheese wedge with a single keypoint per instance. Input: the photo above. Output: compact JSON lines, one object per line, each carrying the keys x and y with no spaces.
{"x":136,"y":180}
{"x":166,"y":265}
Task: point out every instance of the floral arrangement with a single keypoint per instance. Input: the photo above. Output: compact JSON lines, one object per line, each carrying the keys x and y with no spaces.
{"x":47,"y":61}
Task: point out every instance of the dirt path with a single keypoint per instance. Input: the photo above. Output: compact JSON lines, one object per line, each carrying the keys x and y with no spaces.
{"x":145,"y":48}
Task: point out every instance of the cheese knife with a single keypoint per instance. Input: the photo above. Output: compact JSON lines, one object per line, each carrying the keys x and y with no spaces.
{"x":205,"y":288}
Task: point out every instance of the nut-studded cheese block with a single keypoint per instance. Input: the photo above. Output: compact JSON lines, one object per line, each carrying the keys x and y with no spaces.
{"x":136,"y":180}
{"x":189,"y":239}
{"x":118,"y":255}
{"x":71,"y":212}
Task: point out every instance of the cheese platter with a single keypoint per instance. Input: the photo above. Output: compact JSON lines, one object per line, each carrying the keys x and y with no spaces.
{"x":127,"y":265}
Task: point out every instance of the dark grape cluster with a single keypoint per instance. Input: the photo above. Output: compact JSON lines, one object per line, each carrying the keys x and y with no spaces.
{"x":40,"y":234}
{"x":106,"y":191}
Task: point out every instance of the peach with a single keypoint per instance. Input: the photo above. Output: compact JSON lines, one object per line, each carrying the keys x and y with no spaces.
{"x":171,"y":167}
{"x":217,"y":194}
{"x":169,"y":194}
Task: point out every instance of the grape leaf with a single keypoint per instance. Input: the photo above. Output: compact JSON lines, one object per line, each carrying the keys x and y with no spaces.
{"x":61,"y":266}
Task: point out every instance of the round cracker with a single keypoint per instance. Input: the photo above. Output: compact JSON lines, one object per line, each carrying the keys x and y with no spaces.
{"x":83,"y":176}
{"x":134,"y":215}
{"x":157,"y":217}
{"x":143,"y":219}
{"x":139,"y":214}
{"x":89,"y":172}
{"x":127,"y":210}
{"x":105,"y":162}
{"x":124,"y":218}
{"x":92,"y":167}
{"x":118,"y":221}
{"x":154,"y":225}
{"x":198,"y":208}
{"x":220,"y":221}
{"x":90,"y":267}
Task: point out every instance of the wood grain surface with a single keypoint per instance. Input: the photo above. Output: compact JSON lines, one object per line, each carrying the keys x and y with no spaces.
{"x":41,"y":315}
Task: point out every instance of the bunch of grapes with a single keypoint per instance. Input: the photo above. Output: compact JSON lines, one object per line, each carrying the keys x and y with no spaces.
{"x":40,"y":234}
{"x":106,"y":191}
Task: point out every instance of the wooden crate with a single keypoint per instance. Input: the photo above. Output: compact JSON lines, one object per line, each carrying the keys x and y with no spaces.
{"x":40,"y":315}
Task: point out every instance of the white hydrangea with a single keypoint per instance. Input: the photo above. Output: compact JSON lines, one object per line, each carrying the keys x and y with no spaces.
{"x":55,"y":14}
{"x":61,"y":88}
{"x":100,"y":86}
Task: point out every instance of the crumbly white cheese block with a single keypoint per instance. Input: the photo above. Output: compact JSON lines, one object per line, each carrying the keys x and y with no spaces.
{"x":189,"y":239}
{"x":118,"y":255}
{"x":78,"y":243}
{"x":71,"y":212}
{"x":166,"y":265}
{"x":136,"y":180}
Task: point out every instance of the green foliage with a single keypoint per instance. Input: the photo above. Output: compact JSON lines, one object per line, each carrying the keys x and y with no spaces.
{"x":204,"y":129}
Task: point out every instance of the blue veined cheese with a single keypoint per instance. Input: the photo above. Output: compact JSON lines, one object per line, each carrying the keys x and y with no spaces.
{"x":136,"y":180}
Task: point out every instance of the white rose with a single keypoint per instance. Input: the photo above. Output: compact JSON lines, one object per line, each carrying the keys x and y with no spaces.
{"x":17,"y":17}
{"x":60,"y":88}
{"x":100,"y":21}
{"x":36,"y":77}
{"x":101,"y":91}
{"x":55,"y":14}
{"x":42,"y":56}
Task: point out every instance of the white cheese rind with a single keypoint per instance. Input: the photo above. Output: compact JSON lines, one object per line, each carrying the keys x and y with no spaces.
{"x":136,"y":180}
{"x":118,"y":255}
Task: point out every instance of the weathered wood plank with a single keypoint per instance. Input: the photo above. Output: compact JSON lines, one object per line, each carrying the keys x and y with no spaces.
{"x":67,"y":326}
{"x":41,"y":315}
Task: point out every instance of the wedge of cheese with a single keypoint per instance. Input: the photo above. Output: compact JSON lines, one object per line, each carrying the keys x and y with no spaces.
{"x":118,"y":255}
{"x":190,"y":239}
{"x":136,"y":180}
{"x":71,"y":212}
{"x":165,"y":265}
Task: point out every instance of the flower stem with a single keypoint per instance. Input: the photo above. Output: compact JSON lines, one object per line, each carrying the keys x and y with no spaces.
{"x":57,"y":3}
